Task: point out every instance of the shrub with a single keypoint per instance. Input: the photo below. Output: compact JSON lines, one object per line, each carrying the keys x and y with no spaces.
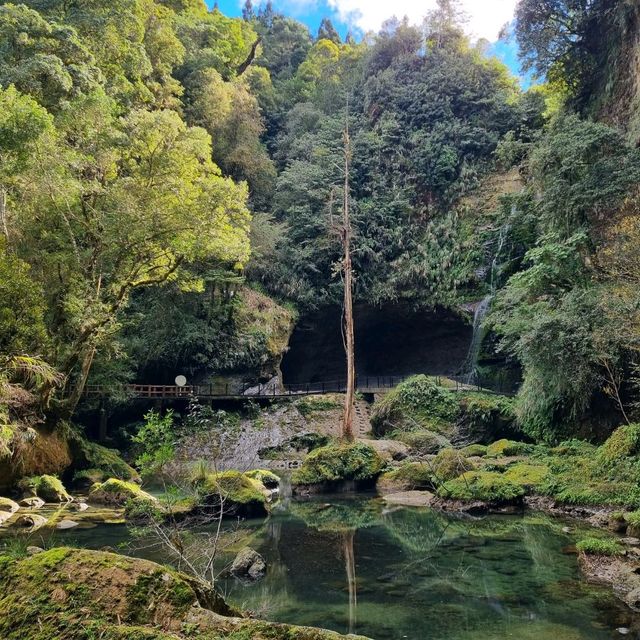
{"x":488,"y":486}
{"x":335,"y":462}
{"x":600,"y":547}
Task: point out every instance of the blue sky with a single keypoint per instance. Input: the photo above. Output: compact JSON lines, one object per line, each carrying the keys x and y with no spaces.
{"x":486,"y":17}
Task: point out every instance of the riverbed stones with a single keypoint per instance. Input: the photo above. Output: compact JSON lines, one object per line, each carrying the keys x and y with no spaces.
{"x":32,"y":550}
{"x":32,"y":503}
{"x":63,"y":525}
{"x":248,"y":565}
{"x":410,"y":498}
{"x":31,"y":521}
{"x":389,"y":450}
{"x":4,"y":516}
{"x":6,"y":504}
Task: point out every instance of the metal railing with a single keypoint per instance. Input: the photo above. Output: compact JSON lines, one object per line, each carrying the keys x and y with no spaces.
{"x":364,"y":384}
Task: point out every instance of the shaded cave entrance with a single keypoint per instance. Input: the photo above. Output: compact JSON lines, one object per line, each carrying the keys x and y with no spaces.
{"x":391,"y":340}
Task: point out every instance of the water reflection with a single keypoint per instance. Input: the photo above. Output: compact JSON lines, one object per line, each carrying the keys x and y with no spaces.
{"x":354,"y":565}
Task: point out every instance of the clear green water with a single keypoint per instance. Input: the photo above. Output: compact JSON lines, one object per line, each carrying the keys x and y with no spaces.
{"x":414,"y":574}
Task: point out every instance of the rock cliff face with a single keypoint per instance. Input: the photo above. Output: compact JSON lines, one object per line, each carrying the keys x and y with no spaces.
{"x":615,"y":93}
{"x":72,"y":594}
{"x":391,"y":340}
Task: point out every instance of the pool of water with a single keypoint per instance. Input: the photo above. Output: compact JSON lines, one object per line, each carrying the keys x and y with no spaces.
{"x":354,"y":565}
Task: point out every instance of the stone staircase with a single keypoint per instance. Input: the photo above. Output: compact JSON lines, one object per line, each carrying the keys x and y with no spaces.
{"x":362,"y":420}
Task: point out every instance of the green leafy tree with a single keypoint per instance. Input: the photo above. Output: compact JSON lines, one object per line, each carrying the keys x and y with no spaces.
{"x":46,"y":60}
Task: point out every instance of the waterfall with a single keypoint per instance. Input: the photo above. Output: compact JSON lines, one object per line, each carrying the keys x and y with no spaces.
{"x":470,"y":367}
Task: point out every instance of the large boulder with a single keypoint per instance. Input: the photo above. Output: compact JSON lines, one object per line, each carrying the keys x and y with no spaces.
{"x":69,"y":594}
{"x":334,"y":464}
{"x":249,"y":565}
{"x":47,"y":488}
{"x":233,"y":493}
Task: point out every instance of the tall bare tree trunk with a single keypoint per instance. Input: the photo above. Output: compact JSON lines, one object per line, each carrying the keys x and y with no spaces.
{"x":4,"y":228}
{"x":349,"y":341}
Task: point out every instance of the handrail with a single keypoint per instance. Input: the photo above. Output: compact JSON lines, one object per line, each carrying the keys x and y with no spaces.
{"x":364,"y":384}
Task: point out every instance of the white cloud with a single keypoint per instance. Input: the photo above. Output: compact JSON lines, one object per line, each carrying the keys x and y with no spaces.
{"x":486,"y":17}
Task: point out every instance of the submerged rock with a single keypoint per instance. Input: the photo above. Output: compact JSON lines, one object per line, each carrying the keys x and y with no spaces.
{"x":67,"y":524}
{"x":249,"y":564}
{"x":410,"y":498}
{"x":71,"y":590}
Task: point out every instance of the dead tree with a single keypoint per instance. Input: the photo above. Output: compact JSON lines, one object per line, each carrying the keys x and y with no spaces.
{"x":348,"y":329}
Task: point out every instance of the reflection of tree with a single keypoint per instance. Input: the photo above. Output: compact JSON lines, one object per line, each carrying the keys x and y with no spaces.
{"x":344,"y":519}
{"x":350,"y":566}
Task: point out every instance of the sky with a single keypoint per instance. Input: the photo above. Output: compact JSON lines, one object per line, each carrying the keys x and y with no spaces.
{"x":485,"y":18}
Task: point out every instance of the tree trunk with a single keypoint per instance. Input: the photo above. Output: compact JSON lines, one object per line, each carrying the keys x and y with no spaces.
{"x":77,"y":389}
{"x":349,"y":342}
{"x":4,"y":228}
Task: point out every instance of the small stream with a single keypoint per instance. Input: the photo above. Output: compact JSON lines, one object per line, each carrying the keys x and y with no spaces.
{"x":352,"y":564}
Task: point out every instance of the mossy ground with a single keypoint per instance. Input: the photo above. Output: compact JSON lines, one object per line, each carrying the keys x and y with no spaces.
{"x":488,"y":486}
{"x":339,"y":462}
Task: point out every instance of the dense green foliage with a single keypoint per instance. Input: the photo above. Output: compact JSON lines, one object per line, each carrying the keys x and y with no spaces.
{"x":167,"y":173}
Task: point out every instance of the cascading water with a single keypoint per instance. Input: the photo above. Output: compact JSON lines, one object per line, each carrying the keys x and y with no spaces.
{"x":470,"y":367}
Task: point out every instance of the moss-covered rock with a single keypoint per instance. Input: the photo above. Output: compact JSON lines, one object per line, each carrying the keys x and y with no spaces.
{"x":423,"y":441}
{"x":269,"y":479}
{"x":487,"y":486}
{"x":528,"y":476}
{"x":117,"y":492}
{"x":474,"y":451}
{"x":449,"y":464}
{"x":237,"y":493}
{"x":48,"y":488}
{"x":422,"y":403}
{"x":409,"y":476}
{"x":506,"y":447}
{"x":622,"y":443}
{"x":62,"y":593}
{"x":339,"y":462}
{"x":103,"y":463}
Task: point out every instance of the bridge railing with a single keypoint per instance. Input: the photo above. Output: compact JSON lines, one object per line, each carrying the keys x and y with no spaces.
{"x":364,"y":384}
